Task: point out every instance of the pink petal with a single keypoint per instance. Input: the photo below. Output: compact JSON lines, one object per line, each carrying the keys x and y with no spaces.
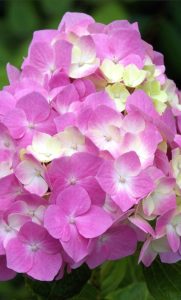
{"x":5,"y":273}
{"x":141,"y":185}
{"x":122,"y":241}
{"x":123,"y":200}
{"x":162,"y":222}
{"x":13,"y":73}
{"x":173,"y":238}
{"x":41,"y":56}
{"x":147,"y":255}
{"x":75,"y":22}
{"x":7,"y":103}
{"x":45,"y":266}
{"x":128,"y":164}
{"x":87,"y":226}
{"x":140,"y":102}
{"x":56,"y":223}
{"x":142,"y":224}
{"x":99,"y":253}
{"x":74,"y":201}
{"x":105,"y":177}
{"x":77,"y":246}
{"x":25,"y":171}
{"x":63,"y":51}
{"x":64,"y":121}
{"x":31,"y":232}
{"x":16,"y":123}
{"x":37,"y":101}
{"x":37,"y":186}
{"x":65,"y":97}
{"x":170,"y":257}
{"x":19,"y":257}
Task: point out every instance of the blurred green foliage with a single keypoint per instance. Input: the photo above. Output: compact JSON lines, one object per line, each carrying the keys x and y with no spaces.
{"x":160,"y":25}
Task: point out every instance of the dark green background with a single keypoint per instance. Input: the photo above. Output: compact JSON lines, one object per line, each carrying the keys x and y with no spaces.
{"x":160,"y":25}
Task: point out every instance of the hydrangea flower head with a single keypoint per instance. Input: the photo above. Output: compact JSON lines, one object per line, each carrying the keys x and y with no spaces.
{"x":90,"y":152}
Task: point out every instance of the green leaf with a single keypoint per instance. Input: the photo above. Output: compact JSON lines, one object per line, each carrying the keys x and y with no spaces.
{"x":112,"y":274}
{"x":22,"y":17}
{"x":135,"y":291}
{"x":56,"y":7}
{"x":88,"y":292}
{"x":109,"y":12}
{"x":70,"y":285}
{"x":169,"y":41}
{"x":164,"y":280}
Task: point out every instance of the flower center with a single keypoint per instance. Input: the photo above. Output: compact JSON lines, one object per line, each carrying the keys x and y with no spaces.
{"x":122,"y":179}
{"x":72,"y":180}
{"x":34,"y":247}
{"x":31,"y":125}
{"x":108,"y":138}
{"x":71,"y":220}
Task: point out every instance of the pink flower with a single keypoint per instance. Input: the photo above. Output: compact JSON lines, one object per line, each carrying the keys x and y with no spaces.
{"x":169,"y":224}
{"x":72,"y":221}
{"x":31,"y":206}
{"x":122,"y":46}
{"x":28,"y":252}
{"x":103,"y":129}
{"x":78,"y":170}
{"x":75,"y":22}
{"x":10,"y":224}
{"x":83,"y":60}
{"x":119,"y":241}
{"x":90,"y":160}
{"x":151,"y":248}
{"x":124,"y":180}
{"x":10,"y":188}
{"x":48,"y":57}
{"x":136,"y":132}
{"x":32,"y":175}
{"x":22,"y":122}
{"x":161,"y":199}
{"x":5,"y":273}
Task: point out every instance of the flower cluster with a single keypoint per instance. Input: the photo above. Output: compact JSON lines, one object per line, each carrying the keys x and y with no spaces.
{"x":90,"y":157}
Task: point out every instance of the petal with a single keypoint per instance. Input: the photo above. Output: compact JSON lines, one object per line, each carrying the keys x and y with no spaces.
{"x":45,"y":266}
{"x":123,"y":200}
{"x":99,"y":253}
{"x":41,"y":56}
{"x":173,"y":238}
{"x":31,"y":232}
{"x":5,"y":273}
{"x":77,"y":246}
{"x":105,"y":177}
{"x":56,"y":223}
{"x":142,"y":224}
{"x":37,"y":101}
{"x":170,"y":257}
{"x":65,"y":97}
{"x":19,"y":257}
{"x":63,"y":50}
{"x":147,"y":255}
{"x":37,"y":186}
{"x":74,"y":201}
{"x":128,"y":164}
{"x":25,"y":171}
{"x":87,"y":225}
{"x":122,"y":241}
{"x":141,"y":185}
{"x":140,"y":102}
{"x":16,"y":123}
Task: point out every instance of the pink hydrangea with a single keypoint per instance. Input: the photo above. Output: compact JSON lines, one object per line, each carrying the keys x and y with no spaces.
{"x":90,"y":152}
